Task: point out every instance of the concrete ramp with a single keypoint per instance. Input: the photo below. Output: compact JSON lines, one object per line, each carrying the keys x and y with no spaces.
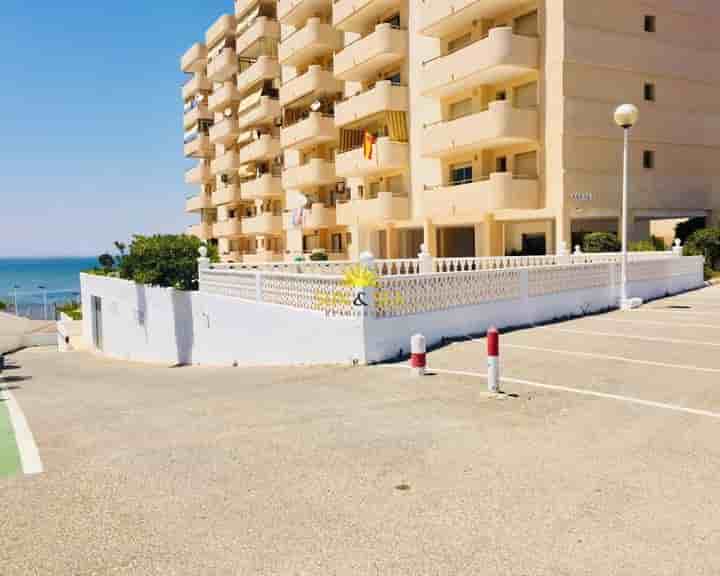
{"x":16,"y":332}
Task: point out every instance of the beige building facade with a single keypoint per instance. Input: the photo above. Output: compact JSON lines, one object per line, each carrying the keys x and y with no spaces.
{"x":476,"y":127}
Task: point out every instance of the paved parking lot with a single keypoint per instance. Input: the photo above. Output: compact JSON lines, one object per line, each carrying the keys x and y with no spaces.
{"x":602,"y":458}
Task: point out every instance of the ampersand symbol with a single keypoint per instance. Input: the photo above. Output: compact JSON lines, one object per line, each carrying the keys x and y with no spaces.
{"x":360,"y":300}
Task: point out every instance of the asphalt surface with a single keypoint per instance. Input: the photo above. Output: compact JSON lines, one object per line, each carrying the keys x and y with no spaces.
{"x":151,"y":470}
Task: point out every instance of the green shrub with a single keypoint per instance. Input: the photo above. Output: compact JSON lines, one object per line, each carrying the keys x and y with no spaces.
{"x":164,"y":260}
{"x":71,"y":309}
{"x":3,"y":305}
{"x":705,"y":242}
{"x":684,"y":230}
{"x":106,"y":261}
{"x":601,"y":242}
{"x":319,"y":257}
{"x":654,"y":244}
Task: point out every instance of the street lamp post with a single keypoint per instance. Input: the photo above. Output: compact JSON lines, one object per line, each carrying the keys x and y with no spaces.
{"x":15,"y":289}
{"x":45,"y":302}
{"x":626,"y":116}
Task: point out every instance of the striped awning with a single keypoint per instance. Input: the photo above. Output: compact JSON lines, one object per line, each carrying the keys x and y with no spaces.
{"x":397,"y":126}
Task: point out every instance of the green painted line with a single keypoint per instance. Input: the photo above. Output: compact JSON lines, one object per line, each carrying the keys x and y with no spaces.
{"x":9,"y":455}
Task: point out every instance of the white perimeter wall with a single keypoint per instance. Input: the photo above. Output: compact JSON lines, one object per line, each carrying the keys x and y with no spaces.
{"x":162,"y":325}
{"x":165,"y":326}
{"x":386,"y":337}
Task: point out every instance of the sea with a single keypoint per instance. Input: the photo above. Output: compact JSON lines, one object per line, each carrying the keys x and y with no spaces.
{"x":39,"y":284}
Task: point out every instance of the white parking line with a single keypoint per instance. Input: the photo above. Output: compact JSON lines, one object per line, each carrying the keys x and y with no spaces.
{"x":585,"y":392}
{"x":679,"y":311}
{"x":614,"y":358}
{"x":631,"y":336}
{"x":658,"y":323}
{"x":28,"y":450}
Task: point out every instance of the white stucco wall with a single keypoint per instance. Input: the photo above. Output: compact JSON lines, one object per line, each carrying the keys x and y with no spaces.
{"x":165,"y":326}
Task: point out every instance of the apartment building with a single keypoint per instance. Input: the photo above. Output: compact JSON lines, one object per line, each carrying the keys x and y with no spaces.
{"x":476,"y":127}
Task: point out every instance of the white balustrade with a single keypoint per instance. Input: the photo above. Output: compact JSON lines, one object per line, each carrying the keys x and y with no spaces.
{"x":403,"y":290}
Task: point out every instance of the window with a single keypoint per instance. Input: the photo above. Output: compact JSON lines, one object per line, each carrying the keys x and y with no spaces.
{"x":461,"y":174}
{"x":649,"y":159}
{"x":649,"y":23}
{"x":394,"y":78}
{"x":459,"y":43}
{"x":394,"y":20}
{"x":374,"y":190}
{"x":526,"y":165}
{"x":461,"y":108}
{"x":650,"y":92}
{"x":336,"y":242}
{"x":527,"y":25}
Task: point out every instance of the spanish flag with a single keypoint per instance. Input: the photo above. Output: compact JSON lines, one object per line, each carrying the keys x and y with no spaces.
{"x":368,"y":143}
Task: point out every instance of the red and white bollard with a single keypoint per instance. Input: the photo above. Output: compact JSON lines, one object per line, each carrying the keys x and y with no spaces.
{"x":418,"y":356}
{"x":493,"y":342}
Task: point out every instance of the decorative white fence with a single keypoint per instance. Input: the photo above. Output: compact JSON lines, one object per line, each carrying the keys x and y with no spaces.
{"x":410,"y":266}
{"x":403,"y":290}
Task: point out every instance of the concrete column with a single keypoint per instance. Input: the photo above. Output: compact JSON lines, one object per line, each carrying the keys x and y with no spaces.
{"x":391,"y":242}
{"x":549,"y":236}
{"x":640,"y":230}
{"x":492,"y":239}
{"x":430,"y":237}
{"x":563,"y":231}
{"x":355,"y":248}
{"x":713,"y":219}
{"x":478,"y":240}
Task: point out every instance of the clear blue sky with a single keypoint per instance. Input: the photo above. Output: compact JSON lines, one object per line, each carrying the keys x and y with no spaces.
{"x":92,"y":113}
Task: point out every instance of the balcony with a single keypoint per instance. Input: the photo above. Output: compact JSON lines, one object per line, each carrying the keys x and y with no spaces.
{"x":295,"y":12}
{"x":197,"y":112}
{"x":500,"y":125}
{"x":383,"y":97}
{"x":359,"y":15}
{"x":266,"y":186}
{"x":197,"y":203}
{"x":316,"y":172}
{"x":316,"y":129}
{"x":199,"y":174}
{"x":195,"y":85}
{"x":202,"y":231}
{"x":226,"y":194}
{"x":498,"y":58}
{"x":263,"y":113}
{"x":387,"y":156}
{"x":255,"y":37}
{"x":500,"y":191}
{"x":224,"y":132}
{"x":318,"y":217}
{"x":266,"y":147}
{"x":198,"y":147}
{"x":265,"y":68}
{"x":223,"y":97}
{"x":307,"y":44}
{"x":195,"y":59}
{"x":228,"y":163}
{"x":223,"y":65}
{"x":384,"y":208}
{"x":223,"y":27}
{"x":364,"y":58}
{"x":262,"y":225}
{"x":316,"y":80}
{"x":441,"y":18}
{"x":227,"y":228}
